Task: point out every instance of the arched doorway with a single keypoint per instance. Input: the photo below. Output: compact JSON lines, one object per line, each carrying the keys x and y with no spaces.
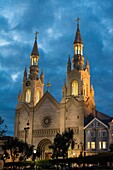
{"x":46,"y":152}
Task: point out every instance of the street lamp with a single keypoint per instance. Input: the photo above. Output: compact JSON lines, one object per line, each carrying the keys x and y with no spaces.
{"x":34,"y":156}
{"x":26,"y":130}
{"x":82,"y":148}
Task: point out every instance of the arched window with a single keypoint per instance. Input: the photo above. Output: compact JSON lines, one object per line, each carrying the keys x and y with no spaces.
{"x":37,"y":96}
{"x":34,"y":61}
{"x":28,"y":95}
{"x":75,"y":88}
{"x":75,"y":49}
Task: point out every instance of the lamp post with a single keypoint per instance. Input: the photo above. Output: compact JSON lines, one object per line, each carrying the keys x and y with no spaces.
{"x":34,"y":156}
{"x":82,"y":148}
{"x":26,"y":130}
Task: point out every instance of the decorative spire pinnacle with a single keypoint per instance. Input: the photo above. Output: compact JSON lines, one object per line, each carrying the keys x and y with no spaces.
{"x":35,"y":47}
{"x":42,"y":76}
{"x":87,"y":66}
{"x":78,"y":38}
{"x":25,"y":75}
{"x":69,"y":64}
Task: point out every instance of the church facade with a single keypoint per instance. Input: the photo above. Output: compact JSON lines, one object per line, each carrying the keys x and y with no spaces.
{"x":39,"y":116}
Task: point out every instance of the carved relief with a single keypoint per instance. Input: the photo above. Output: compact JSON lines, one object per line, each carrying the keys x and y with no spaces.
{"x":45,"y":132}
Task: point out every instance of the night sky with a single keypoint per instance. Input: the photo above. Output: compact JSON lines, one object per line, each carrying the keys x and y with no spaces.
{"x":55,"y":20}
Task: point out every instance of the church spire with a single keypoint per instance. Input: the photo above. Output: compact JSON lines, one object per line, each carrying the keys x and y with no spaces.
{"x":34,"y":70}
{"x":78,"y":59}
{"x":35,"y":47}
{"x":78,"y":38}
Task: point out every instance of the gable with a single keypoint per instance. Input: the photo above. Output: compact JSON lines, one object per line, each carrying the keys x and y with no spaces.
{"x":47,"y":97}
{"x":73,"y":101}
{"x":95,"y":123}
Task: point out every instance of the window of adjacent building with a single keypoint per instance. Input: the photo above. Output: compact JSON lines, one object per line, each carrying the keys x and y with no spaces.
{"x":88,"y":133}
{"x":98,"y":124}
{"x":74,"y":88}
{"x":37,"y":96}
{"x":104,"y":145}
{"x":92,"y":124}
{"x":99,"y":133}
{"x":100,"y":145}
{"x":104,"y":133}
{"x":92,"y":145}
{"x":88,"y":145}
{"x":28,"y":95}
{"x":92,"y":133}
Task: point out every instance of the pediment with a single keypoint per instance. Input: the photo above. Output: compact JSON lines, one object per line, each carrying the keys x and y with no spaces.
{"x":24,"y":107}
{"x":47,"y":96}
{"x":95,"y":123}
{"x":74,"y":101}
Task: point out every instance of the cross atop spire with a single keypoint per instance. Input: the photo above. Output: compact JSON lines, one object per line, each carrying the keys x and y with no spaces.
{"x":77,"y":36}
{"x":36,"y":33}
{"x":35,"y":47}
{"x":77,"y":20}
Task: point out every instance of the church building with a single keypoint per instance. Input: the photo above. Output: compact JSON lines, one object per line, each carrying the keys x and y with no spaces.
{"x":39,"y":116}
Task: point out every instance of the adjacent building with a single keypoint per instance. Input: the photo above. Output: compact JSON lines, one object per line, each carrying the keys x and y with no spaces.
{"x":39,"y":116}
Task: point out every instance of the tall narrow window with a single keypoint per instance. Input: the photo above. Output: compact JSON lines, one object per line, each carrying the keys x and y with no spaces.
{"x":75,"y":88}
{"x":28,"y":95}
{"x":88,"y":145}
{"x":34,"y":61}
{"x":92,"y":145}
{"x":100,"y":145}
{"x":37,"y":96}
{"x":104,"y":145}
{"x":76,"y":50}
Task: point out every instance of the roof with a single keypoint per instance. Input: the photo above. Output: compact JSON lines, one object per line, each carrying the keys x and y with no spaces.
{"x":35,"y":49}
{"x":100,"y":116}
{"x":96,"y":120}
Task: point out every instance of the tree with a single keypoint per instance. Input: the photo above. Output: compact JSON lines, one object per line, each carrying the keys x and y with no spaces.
{"x":3,"y":128}
{"x":17,"y":149}
{"x":61,"y":144}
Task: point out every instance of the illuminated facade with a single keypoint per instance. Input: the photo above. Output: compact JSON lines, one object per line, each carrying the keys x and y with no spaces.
{"x":46,"y":117}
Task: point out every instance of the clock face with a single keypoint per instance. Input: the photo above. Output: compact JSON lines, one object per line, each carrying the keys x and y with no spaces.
{"x":27,"y":83}
{"x":46,"y":121}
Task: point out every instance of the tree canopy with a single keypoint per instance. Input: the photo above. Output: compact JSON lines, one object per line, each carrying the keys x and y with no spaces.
{"x":61,"y":144}
{"x":17,"y":149}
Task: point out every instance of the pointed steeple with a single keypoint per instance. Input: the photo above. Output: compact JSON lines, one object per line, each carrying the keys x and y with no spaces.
{"x":87,"y":66}
{"x":78,"y":59}
{"x":78,"y":38}
{"x":35,"y":47}
{"x":42,"y":76}
{"x":25,"y":75}
{"x":34,"y":70}
{"x":19,"y":96}
{"x":69,"y":64}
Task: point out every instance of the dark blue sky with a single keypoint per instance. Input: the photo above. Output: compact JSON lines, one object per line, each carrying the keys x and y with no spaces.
{"x":55,"y":22}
